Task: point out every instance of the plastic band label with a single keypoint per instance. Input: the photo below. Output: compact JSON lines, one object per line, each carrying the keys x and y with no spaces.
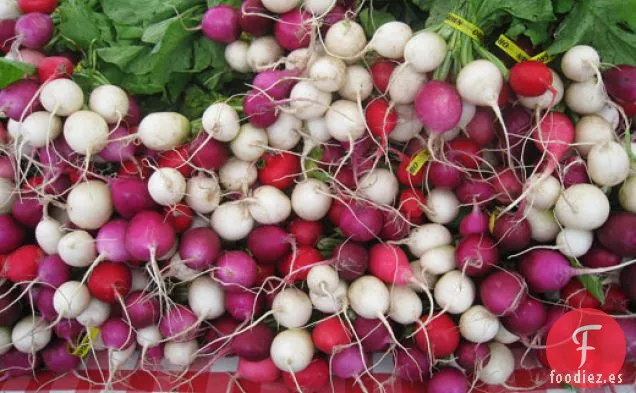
{"x":493,"y":219}
{"x":85,"y":344}
{"x":543,"y":57}
{"x":417,"y":162}
{"x":513,"y":50}
{"x":460,"y":24}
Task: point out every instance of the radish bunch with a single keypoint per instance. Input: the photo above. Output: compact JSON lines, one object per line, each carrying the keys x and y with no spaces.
{"x":354,"y":202}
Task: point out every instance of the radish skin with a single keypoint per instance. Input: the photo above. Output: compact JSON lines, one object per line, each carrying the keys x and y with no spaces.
{"x":236,"y":213}
{"x":236,"y":56}
{"x":328,"y":73}
{"x":586,"y":98}
{"x":221,"y":122}
{"x":110,"y":102}
{"x":582,"y":206}
{"x":311,"y":200}
{"x":627,"y":194}
{"x":344,"y":121}
{"x":71,"y":299}
{"x":580,"y":63}
{"x":574,"y":242}
{"x":86,"y":132}
{"x":454,"y":292}
{"x":427,"y":237}
{"x":203,"y":194}
{"x":181,"y":354}
{"x":41,"y":128}
{"x":250,"y":143}
{"x":390,"y":39}
{"x":379,"y":186}
{"x":163,"y":131}
{"x":62,"y":97}
{"x":345,"y":39}
{"x":478,"y":325}
{"x":438,"y":260}
{"x":590,"y":131}
{"x":369,"y":297}
{"x":425,"y":51}
{"x":405,"y":305}
{"x":358,"y":84}
{"x":95,"y":313}
{"x":292,"y":350}
{"x":77,"y":249}
{"x":206,"y":298}
{"x":30,"y":334}
{"x":608,"y":164}
{"x":499,"y":367}
{"x":89,"y":204}
{"x":292,"y":308}
{"x":404,"y":84}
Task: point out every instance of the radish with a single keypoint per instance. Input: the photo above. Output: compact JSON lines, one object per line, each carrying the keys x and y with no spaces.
{"x":110,"y":102}
{"x":110,"y":282}
{"x":143,"y":310}
{"x":442,"y":206}
{"x":348,"y":363}
{"x":454,"y":292}
{"x":408,"y":125}
{"x":8,"y":193}
{"x":95,"y":313}
{"x":322,"y":279}
{"x":253,"y":344}
{"x":438,"y":336}
{"x":357,"y":84}
{"x":586,"y":97}
{"x":426,"y":237}
{"x":221,"y":24}
{"x":590,"y":131}
{"x":471,"y":355}
{"x":89,"y":204}
{"x":86,"y":132}
{"x":263,"y":53}
{"x":236,"y":270}
{"x":543,"y":225}
{"x":207,"y":153}
{"x":580,"y":63}
{"x":163,"y":131}
{"x":253,"y":20}
{"x":313,"y":378}
{"x":9,"y":9}
{"x":202,"y":193}
{"x":351,"y":260}
{"x":617,"y":234}
{"x":235,"y":175}
{"x":30,"y":334}
{"x":311,"y":199}
{"x":236,"y":56}
{"x":411,"y":364}
{"x":610,"y":114}
{"x":34,"y":30}
{"x":206,"y":298}
{"x":250,"y":143}
{"x":268,"y":243}
{"x":505,"y":337}
{"x":500,"y":365}
{"x":608,"y":164}
{"x":41,"y":128}
{"x":626,"y":194}
{"x":345,"y":39}
{"x":574,"y":242}
{"x":5,"y":340}
{"x":480,"y":83}
{"x":501,"y":292}
{"x":148,"y":236}
{"x":19,"y":98}
{"x":279,"y":6}
{"x":379,"y":186}
{"x":328,"y":74}
{"x":425,"y":51}
{"x":308,"y":102}
{"x":369,"y":297}
{"x":167,"y":186}
{"x":448,"y":380}
{"x":530,"y":78}
{"x":306,"y":233}
{"x":331,"y":303}
{"x":438,"y":107}
{"x":330,"y":334}
{"x":178,"y":269}
{"x":438,"y":260}
{"x":543,"y":191}
{"x":221,"y":122}
{"x":390,"y":39}
{"x":361,"y":222}
{"x":549,"y":99}
{"x":238,"y":214}
{"x":478,"y":325}
{"x":292,"y":350}
{"x":405,"y":305}
{"x":345,"y":121}
{"x":71,"y":299}
{"x":283,"y":134}
{"x":405,"y":83}
{"x":77,"y":249}
{"x":292,"y":308}
{"x":53,"y":271}
{"x":181,"y":354}
{"x":582,"y":206}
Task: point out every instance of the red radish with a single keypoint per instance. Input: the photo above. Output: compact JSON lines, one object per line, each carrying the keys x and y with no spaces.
{"x":411,"y":364}
{"x":530,"y":78}
{"x":179,"y":216}
{"x":395,"y":227}
{"x":472,"y":355}
{"x":268,"y":243}
{"x":512,"y":233}
{"x":306,"y":233}
{"x":44,"y":6}
{"x":243,"y":305}
{"x":474,"y":223}
{"x":221,"y":24}
{"x":279,"y":170}
{"x":252,"y":19}
{"x":463,"y":152}
{"x":554,"y":136}
{"x":11,"y":234}
{"x":177,"y":159}
{"x":599,"y":256}
{"x":110,"y":281}
{"x":258,"y":371}
{"x":142,"y":308}
{"x":381,"y":118}
{"x":381,"y":74}
{"x":616,"y":301}
{"x":299,"y":263}
{"x":390,"y":264}
{"x":208,"y":153}
{"x":220,"y":327}
{"x":476,"y":254}
{"x":263,"y":273}
{"x":199,"y":248}
{"x":135,"y":168}
{"x":506,"y":185}
{"x":54,"y":67}
{"x":442,"y":175}
{"x":505,"y":95}
{"x":502,"y":291}
{"x":528,"y":318}
{"x":411,"y":205}
{"x":335,"y":212}
{"x":405,"y":177}
{"x":22,"y":264}
{"x":438,"y":106}
{"x":7,"y":33}
{"x":329,"y":334}
{"x":440,"y":333}
{"x":293,"y":29}
{"x":361,"y":222}
{"x":313,"y":378}
{"x":576,"y":296}
{"x":481,"y":128}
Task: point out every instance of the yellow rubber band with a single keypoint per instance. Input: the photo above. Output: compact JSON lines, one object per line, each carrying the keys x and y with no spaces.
{"x":84,"y":346}
{"x":511,"y":48}
{"x":493,"y":219}
{"x":543,"y":57}
{"x":417,"y":163}
{"x":460,"y":24}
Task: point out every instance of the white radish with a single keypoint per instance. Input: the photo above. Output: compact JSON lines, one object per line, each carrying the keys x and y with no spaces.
{"x":404,"y":84}
{"x":611,"y":115}
{"x":331,"y":303}
{"x":284,"y":133}
{"x":77,"y":249}
{"x":307,"y":101}
{"x":292,"y":350}
{"x":478,"y":325}
{"x":328,"y":73}
{"x":345,"y":121}
{"x":468,"y":112}
{"x":322,"y":279}
{"x":30,"y":334}
{"x":480,"y":83}
{"x":89,"y":204}
{"x":203,"y":194}
{"x":408,"y":125}
{"x":580,"y":63}
{"x":180,"y":354}
{"x":345,"y":39}
{"x":318,"y":7}
{"x":549,"y":99}
{"x":499,"y":367}
{"x":574,"y":242}
{"x":369,"y":297}
{"x":292,"y":308}
{"x":179,"y":270}
{"x":425,"y":51}
{"x":379,"y":186}
{"x":279,"y":6}
{"x":608,"y":164}
{"x":358,"y":84}
{"x":300,"y":60}
{"x":586,"y":98}
{"x":110,"y":102}
{"x":582,"y":206}
{"x":438,"y":260}
{"x":318,"y":132}
{"x":71,"y":299}
{"x":543,"y":192}
{"x":48,"y":233}
{"x":95,"y":313}
{"x":454,"y":292}
{"x":236,"y":56}
{"x":167,"y":186}
{"x":263,"y":53}
{"x":163,"y":131}
{"x":250,"y":143}
{"x":62,"y":97}
{"x":86,"y":132}
{"x":405,"y":305}
{"x":627,"y":194}
{"x":504,"y":336}
{"x":117,"y":358}
{"x":149,"y":336}
{"x":442,"y":206}
{"x":390,"y":39}
{"x":8,"y":194}
{"x":427,"y":237}
{"x":206,"y":298}
{"x":221,"y":122}
{"x":269,"y":205}
{"x":591,"y":130}
{"x":543,"y":225}
{"x":422,"y":279}
{"x":41,"y":128}
{"x":236,"y":175}
{"x":311,"y":200}
{"x":9,"y":9}
{"x":232,"y":221}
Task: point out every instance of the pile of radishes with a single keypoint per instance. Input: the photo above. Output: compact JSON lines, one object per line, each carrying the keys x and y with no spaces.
{"x":354,"y":206}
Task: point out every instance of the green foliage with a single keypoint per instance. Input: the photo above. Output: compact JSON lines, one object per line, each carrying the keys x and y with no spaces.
{"x":13,"y":71}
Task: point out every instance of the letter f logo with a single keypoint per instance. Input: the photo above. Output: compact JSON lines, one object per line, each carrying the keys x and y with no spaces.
{"x":584,"y":347}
